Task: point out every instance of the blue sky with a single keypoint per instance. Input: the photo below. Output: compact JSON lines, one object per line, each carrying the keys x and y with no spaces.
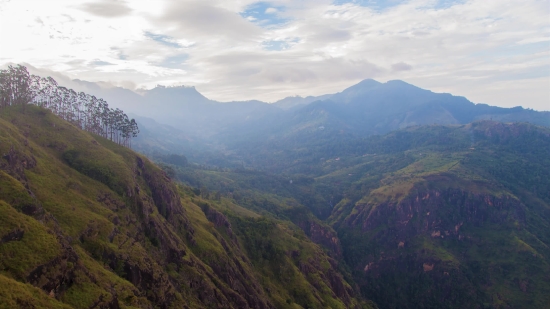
{"x":162,"y":39}
{"x":264,"y":14}
{"x":494,"y":52}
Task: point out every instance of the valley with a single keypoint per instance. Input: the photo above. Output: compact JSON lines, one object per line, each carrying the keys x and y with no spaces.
{"x":435,"y":202}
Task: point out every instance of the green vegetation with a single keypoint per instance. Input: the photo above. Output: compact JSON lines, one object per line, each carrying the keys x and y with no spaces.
{"x":427,"y":217}
{"x":88,"y":223}
{"x":15,"y":294}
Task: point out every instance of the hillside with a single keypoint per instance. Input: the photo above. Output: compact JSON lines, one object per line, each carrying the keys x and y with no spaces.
{"x":88,"y":223}
{"x":427,"y":217}
{"x":462,"y":220}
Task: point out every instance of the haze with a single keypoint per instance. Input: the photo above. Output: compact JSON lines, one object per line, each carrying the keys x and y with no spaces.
{"x":494,"y":52}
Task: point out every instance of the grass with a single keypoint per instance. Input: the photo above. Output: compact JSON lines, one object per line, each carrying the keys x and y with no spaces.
{"x":15,"y":294}
{"x":18,"y":257}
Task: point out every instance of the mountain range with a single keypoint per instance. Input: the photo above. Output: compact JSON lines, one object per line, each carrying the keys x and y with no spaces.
{"x":183,"y":121}
{"x":384,"y":195}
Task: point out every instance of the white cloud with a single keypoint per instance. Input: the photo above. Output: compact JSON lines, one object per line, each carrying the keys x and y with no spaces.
{"x":495,"y":52}
{"x":107,"y":8}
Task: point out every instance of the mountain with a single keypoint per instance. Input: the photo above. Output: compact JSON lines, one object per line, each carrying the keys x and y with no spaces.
{"x":297,"y":101}
{"x":427,"y":217}
{"x":458,"y":214}
{"x":87,"y":223}
{"x":368,"y":108}
{"x":183,"y":108}
{"x":371,"y":107}
{"x":310,"y":207}
{"x":364,"y":109}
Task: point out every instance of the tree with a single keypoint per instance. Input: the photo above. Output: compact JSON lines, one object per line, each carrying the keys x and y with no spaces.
{"x":18,"y":87}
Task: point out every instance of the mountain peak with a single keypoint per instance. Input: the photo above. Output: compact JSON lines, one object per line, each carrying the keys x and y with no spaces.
{"x":362,"y":87}
{"x":176,"y":94}
{"x":369,"y":82}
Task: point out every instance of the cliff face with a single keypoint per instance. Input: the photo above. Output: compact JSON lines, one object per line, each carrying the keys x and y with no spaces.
{"x":89,"y":224}
{"x":452,"y":245}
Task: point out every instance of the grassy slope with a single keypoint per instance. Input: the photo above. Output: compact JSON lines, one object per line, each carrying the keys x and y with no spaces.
{"x":485,"y":184}
{"x":103,"y":217}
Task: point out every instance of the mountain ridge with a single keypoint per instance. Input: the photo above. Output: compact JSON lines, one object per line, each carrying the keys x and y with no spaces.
{"x":114,"y":231}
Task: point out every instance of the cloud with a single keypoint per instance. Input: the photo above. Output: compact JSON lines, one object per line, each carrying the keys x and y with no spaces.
{"x":175,"y":61}
{"x":401,"y":66}
{"x":100,"y":63}
{"x":278,"y":45}
{"x":107,"y":8}
{"x":248,"y":49}
{"x":197,"y":19}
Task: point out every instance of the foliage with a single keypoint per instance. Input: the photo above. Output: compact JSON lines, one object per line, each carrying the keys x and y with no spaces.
{"x":485,"y":183}
{"x":112,"y":230}
{"x":18,"y":87}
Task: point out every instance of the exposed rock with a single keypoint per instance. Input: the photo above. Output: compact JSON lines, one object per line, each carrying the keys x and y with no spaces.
{"x":217,"y":218}
{"x":14,"y":235}
{"x":321,"y":235}
{"x":428,"y":267}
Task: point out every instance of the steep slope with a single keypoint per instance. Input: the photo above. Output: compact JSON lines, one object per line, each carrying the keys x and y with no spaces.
{"x":426,"y":217}
{"x":449,"y":217}
{"x":87,"y":223}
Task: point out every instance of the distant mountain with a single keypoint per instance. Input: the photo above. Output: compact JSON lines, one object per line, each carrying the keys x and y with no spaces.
{"x":367,"y":108}
{"x":371,"y":108}
{"x":181,"y":107}
{"x":298,"y":101}
{"x":117,"y":97}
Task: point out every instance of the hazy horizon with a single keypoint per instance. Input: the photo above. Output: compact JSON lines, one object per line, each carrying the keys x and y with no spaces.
{"x":495,"y":53}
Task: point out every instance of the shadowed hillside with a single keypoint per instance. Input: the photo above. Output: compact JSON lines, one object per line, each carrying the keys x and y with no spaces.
{"x":87,"y":223}
{"x":426,"y":217}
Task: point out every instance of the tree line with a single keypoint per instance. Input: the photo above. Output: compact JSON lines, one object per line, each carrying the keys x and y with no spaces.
{"x":19,"y":87}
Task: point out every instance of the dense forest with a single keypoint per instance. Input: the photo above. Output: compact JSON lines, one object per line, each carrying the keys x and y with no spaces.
{"x":19,"y":87}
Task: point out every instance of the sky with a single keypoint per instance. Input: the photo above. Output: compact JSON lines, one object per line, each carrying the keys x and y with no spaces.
{"x":493,"y":52}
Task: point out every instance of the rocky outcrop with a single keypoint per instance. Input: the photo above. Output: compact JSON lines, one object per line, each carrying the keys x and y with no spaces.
{"x":163,"y":191}
{"x":217,"y":218}
{"x":438,"y":213}
{"x":423,"y":239}
{"x":14,"y":235}
{"x":322,"y":235}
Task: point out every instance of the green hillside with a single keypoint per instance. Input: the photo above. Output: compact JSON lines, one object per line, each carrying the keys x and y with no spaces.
{"x":87,"y":223}
{"x":447,"y":217}
{"x":426,"y":217}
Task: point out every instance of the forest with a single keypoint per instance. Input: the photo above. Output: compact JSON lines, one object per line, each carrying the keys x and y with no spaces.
{"x":87,"y":112}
